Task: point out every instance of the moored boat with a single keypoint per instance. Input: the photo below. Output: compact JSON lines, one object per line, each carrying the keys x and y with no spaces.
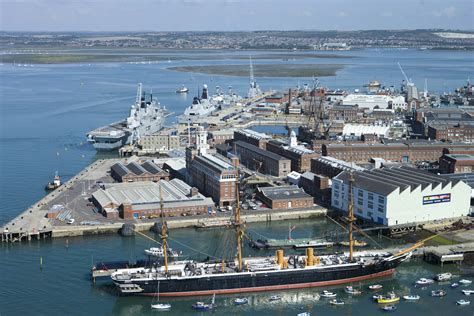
{"x":161,"y":307}
{"x":350,"y":290}
{"x":424,"y":282}
{"x":454,"y":285}
{"x":275,"y":298}
{"x":443,"y":277}
{"x":327,"y":294}
{"x":241,"y":301}
{"x":389,"y":308}
{"x":463,"y":302}
{"x":375,"y":287}
{"x":55,"y":184}
{"x":389,"y":298}
{"x":377,"y":297}
{"x":411,"y":297}
{"x":158,"y":252}
{"x":202,"y":306}
{"x":467,"y":292}
{"x":438,"y":293}
{"x":465,"y":282}
{"x":336,"y":302}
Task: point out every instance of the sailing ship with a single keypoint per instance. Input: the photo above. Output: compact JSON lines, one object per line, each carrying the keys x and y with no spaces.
{"x":193,"y":278}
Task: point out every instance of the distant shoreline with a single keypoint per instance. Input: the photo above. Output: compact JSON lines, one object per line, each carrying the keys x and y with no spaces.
{"x":131,"y":55}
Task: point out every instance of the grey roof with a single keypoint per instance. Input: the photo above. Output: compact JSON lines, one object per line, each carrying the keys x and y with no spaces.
{"x":136,"y":168}
{"x":260,"y":151}
{"x":151,"y":167}
{"x":386,"y":180}
{"x":283,"y":193}
{"x":461,"y":157}
{"x":120,"y":169}
{"x":308,"y":175}
{"x":467,"y":177}
{"x":148,"y":193}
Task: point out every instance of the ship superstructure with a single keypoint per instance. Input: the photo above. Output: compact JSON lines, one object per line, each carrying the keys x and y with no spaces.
{"x":145,"y":118}
{"x":205,"y":105}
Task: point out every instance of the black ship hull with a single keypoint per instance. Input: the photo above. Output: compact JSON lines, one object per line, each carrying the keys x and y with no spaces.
{"x":264,"y":281}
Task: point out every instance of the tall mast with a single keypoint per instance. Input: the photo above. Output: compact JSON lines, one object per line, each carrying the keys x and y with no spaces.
{"x":238,"y":224}
{"x":252,"y":78}
{"x":351,"y":215}
{"x":164,"y":230}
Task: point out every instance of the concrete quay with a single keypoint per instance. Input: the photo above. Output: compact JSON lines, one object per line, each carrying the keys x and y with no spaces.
{"x":33,"y":222}
{"x":186,"y":222}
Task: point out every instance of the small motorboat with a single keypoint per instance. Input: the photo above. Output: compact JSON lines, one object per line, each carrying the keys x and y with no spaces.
{"x":389,"y":308}
{"x":411,"y":297}
{"x":336,"y":302}
{"x":443,"y":277}
{"x":356,"y":243}
{"x":304,"y":314}
{"x":467,"y":292}
{"x":463,"y":302}
{"x":352,"y":291}
{"x":438,"y":293}
{"x":275,"y":298}
{"x":161,"y":307}
{"x":375,"y":287}
{"x":465,"y":282}
{"x":389,"y":298}
{"x":454,"y":285}
{"x":328,"y":294}
{"x":424,"y":282}
{"x":377,"y":297}
{"x":241,"y":301}
{"x":201,"y":306}
{"x":183,"y":89}
{"x":158,"y":252}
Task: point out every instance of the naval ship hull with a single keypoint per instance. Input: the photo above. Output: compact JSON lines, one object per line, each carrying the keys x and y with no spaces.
{"x":261,"y":281}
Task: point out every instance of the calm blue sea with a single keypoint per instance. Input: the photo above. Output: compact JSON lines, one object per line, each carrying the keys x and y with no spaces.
{"x":45,"y":112}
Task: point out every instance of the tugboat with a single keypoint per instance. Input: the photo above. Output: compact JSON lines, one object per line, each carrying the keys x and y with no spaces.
{"x":55,"y":184}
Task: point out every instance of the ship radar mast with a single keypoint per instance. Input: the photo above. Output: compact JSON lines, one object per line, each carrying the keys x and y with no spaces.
{"x":164,"y":230}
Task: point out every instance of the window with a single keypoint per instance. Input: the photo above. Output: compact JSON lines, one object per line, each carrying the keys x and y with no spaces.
{"x":380,"y":208}
{"x":370,"y":196}
{"x":370,"y":205}
{"x":381,"y":200}
{"x":360,"y":201}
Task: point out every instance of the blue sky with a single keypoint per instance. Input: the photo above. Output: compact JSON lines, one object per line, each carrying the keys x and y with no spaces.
{"x":233,"y":15}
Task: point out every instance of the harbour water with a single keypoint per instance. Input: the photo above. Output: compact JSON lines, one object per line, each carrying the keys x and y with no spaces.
{"x":46,"y":110}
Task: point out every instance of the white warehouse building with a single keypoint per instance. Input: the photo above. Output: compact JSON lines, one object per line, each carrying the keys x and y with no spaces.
{"x":370,"y":101}
{"x":401,"y":195}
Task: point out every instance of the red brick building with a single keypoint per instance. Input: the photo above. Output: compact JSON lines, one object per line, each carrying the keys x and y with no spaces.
{"x":456,"y":163}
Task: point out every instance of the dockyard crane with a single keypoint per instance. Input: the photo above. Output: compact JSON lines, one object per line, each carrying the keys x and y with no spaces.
{"x":404,"y":75}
